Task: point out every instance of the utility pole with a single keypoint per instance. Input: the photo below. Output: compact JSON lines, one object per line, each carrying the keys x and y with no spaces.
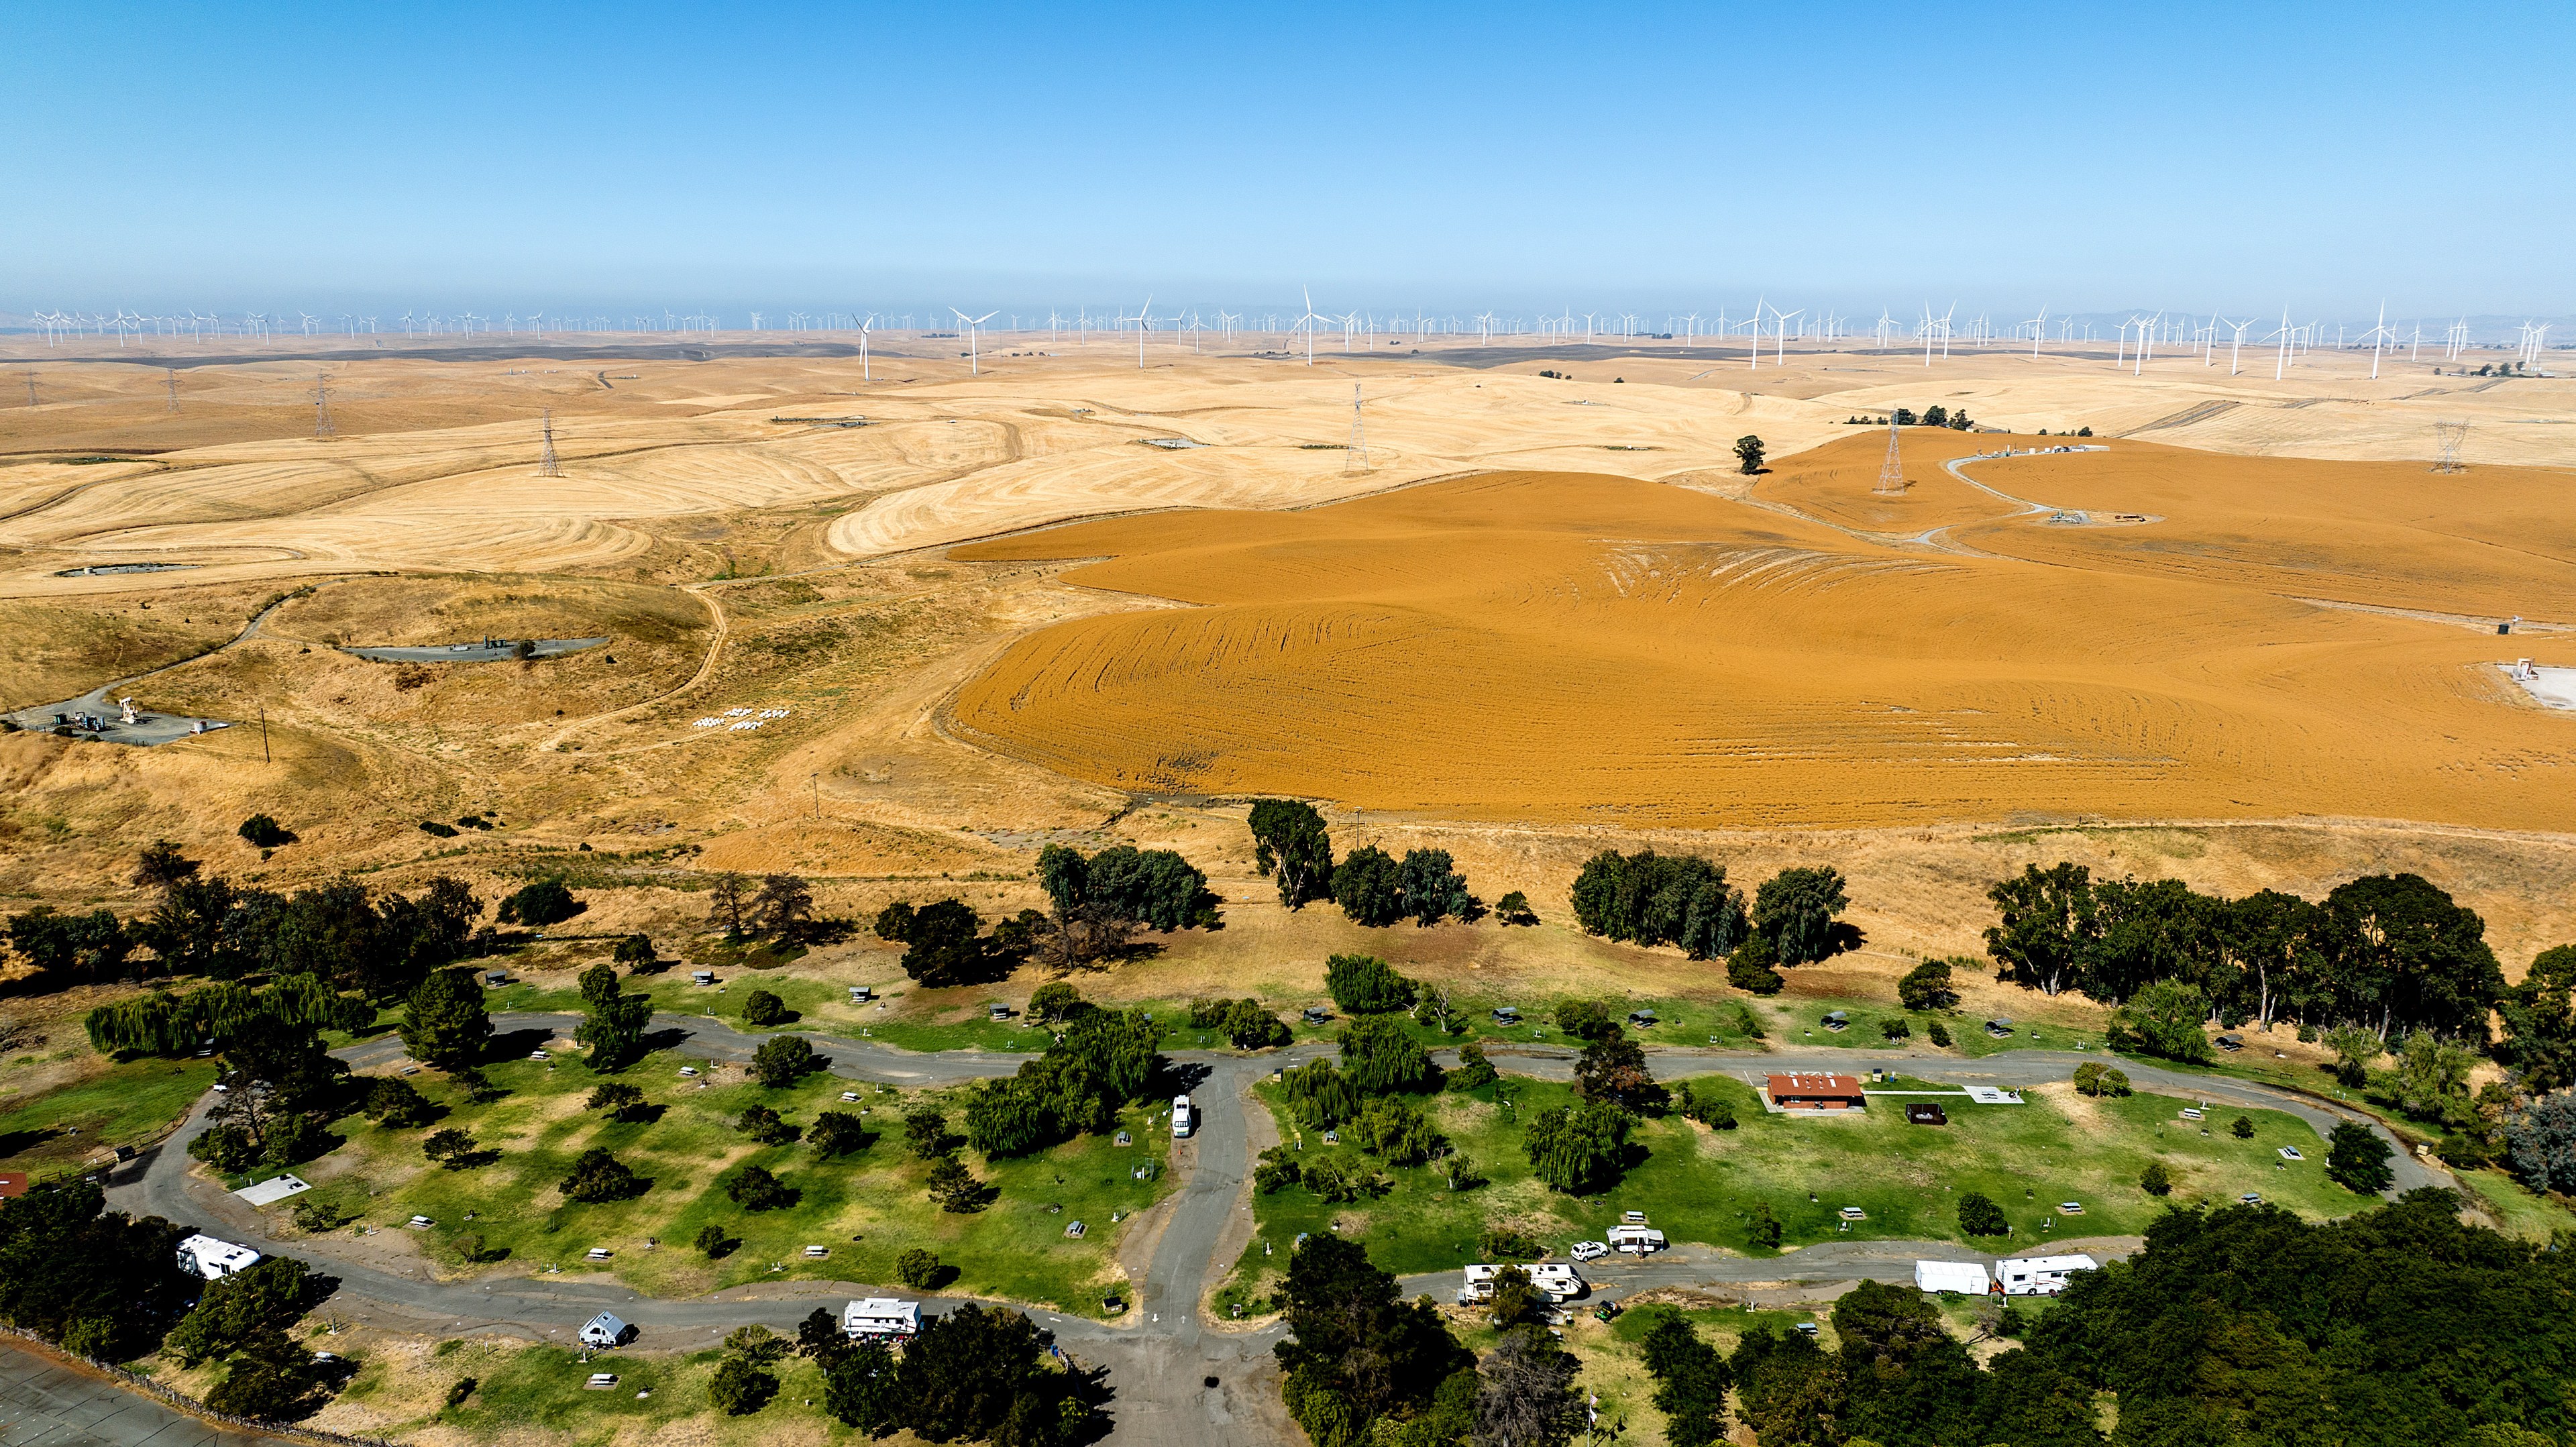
{"x":1355,"y":457}
{"x":1891,"y":473}
{"x":263,"y":733}
{"x":31,"y":389}
{"x":322,"y":429}
{"x":174,"y":387}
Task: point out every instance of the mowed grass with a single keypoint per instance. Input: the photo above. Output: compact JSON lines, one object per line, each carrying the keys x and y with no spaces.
{"x":537,"y":1391}
{"x":131,"y":1103}
{"x":864,"y":1208}
{"x":1699,"y":1185}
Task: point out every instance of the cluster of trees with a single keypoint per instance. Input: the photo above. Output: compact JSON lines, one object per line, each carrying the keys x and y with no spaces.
{"x":1678,"y":899}
{"x":780,"y":906}
{"x":977,"y":1373}
{"x":2388,"y":953}
{"x":1102,"y":1060}
{"x":1364,"y":1366}
{"x":99,"y":1283}
{"x":1244,"y":1023}
{"x":1374,"y":888}
{"x":379,"y":945}
{"x":945,"y":943}
{"x":1096,"y":904}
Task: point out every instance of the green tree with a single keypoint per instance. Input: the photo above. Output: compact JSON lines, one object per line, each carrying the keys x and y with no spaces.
{"x":2354,"y":1047}
{"x":740,"y":1388}
{"x":1748,"y":451}
{"x":1380,"y":1056}
{"x":622,"y":1102}
{"x":1762,"y":1226}
{"x":1514,"y":908}
{"x":598,"y":1175}
{"x":1249,"y":1027}
{"x":1516,"y":1302}
{"x":1691,"y":1380}
{"x":2241,"y":1128}
{"x":614,"y":1023}
{"x":2046,"y":927}
{"x":1474,"y":1071}
{"x":836,"y":1133}
{"x":2402,"y":955}
{"x":1980,"y":1216}
{"x":784,"y":1059}
{"x":712,"y":1241}
{"x":765,"y":1125}
{"x":1395,"y":1131}
{"x":1292,"y":846}
{"x":1795,"y":910}
{"x":2164,"y":1019}
{"x":2155,"y":1180}
{"x":1356,"y":1351}
{"x":954,"y":1187}
{"x":1749,"y":969}
{"x":944,"y":946}
{"x":761,"y":1009}
{"x":1928,"y":987}
{"x":1651,"y":899}
{"x":1320,"y":1095}
{"x":1433,"y":889}
{"x":444,"y":1024}
{"x":2540,"y":1022}
{"x":926,"y":1131}
{"x":1366,"y":985}
{"x":1056,"y":1002}
{"x":1369,"y":886}
{"x":861,"y":1388}
{"x":636,"y":951}
{"x":263,"y":832}
{"x":2357,"y":1159}
{"x":393,"y":1101}
{"x":545,"y":902}
{"x":917,"y":1268}
{"x":1584,"y":1019}
{"x":451,"y":1148}
{"x":235,"y":1310}
{"x":1579,"y":1149}
{"x":755,"y":1189}
{"x":1612,"y":1068}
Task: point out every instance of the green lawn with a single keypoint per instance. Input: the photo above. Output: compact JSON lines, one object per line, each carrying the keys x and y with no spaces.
{"x":131,"y":1103}
{"x":1698,"y":1184}
{"x":522,"y":1389}
{"x":865,"y":1208}
{"x":2532,"y":1217}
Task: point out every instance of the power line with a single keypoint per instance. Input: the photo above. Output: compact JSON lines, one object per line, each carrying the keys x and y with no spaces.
{"x":1355,"y":457}
{"x":547,"y":466}
{"x":323,"y":431}
{"x":1891,"y":473}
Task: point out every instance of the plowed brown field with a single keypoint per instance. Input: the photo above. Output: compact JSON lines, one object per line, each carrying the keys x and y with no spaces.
{"x":1567,"y":647}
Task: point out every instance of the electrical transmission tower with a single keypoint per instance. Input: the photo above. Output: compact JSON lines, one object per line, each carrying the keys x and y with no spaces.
{"x":2450,"y":435}
{"x":1355,"y":457}
{"x":31,"y":389}
{"x":547,"y":466}
{"x":323,"y":431}
{"x":1891,"y":473}
{"x":174,"y":387}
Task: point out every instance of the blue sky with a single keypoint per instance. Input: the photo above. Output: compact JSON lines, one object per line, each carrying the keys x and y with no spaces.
{"x":2241,"y":156}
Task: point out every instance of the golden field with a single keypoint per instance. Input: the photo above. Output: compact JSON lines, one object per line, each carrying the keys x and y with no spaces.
{"x":1549,"y":614}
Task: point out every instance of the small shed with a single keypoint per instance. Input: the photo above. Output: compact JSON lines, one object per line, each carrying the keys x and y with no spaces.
{"x":604,"y":1330}
{"x":1967,"y":1278}
{"x":1924,"y":1112}
{"x":1805,"y":1092}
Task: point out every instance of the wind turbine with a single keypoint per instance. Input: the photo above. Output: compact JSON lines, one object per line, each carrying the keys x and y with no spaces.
{"x":2038,"y":329}
{"x":2281,"y":359}
{"x":1144,"y":324}
{"x":865,"y":375}
{"x":1781,"y":320}
{"x":974,"y":362}
{"x":1307,"y":323}
{"x":2237,"y":349}
{"x":2380,"y":336}
{"x":1753,"y":329}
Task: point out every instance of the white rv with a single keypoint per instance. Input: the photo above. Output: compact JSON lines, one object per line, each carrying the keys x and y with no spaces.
{"x":2040,"y":1275}
{"x":883,"y":1318}
{"x":212,"y":1259}
{"x":1554,"y":1280}
{"x":1181,"y":1118}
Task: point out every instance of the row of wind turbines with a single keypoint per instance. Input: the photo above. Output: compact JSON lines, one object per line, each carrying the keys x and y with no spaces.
{"x":1766,"y":325}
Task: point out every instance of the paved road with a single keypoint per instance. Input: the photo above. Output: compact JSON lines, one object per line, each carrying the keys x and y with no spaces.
{"x":1163,"y":1358}
{"x":479,"y":652}
{"x":46,"y":1403}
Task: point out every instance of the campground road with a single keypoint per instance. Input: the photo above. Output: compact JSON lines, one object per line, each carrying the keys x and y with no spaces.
{"x":1163,"y":1355}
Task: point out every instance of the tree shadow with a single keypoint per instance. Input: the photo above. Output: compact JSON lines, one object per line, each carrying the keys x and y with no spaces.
{"x":18,"y":1141}
{"x":516,"y":1044}
{"x":666,"y":1039}
{"x":1843,"y":937}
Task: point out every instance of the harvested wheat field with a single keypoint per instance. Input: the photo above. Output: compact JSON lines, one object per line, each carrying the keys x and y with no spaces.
{"x":1582,"y":648}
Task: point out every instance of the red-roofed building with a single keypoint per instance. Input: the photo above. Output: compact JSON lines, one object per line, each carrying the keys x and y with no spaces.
{"x":1817,"y":1092}
{"x":13,"y":1183}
